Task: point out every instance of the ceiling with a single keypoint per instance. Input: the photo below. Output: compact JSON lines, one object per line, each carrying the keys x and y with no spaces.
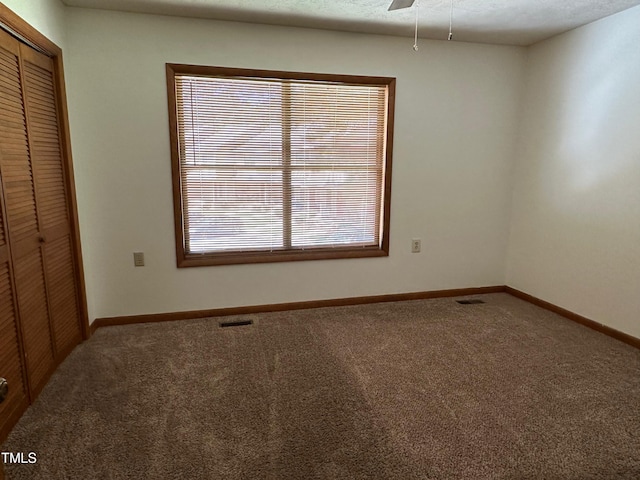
{"x":509,"y":22}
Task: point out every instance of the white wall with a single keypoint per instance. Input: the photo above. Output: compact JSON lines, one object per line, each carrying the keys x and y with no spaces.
{"x":454,"y":143}
{"x":46,"y":16}
{"x":575,"y":235}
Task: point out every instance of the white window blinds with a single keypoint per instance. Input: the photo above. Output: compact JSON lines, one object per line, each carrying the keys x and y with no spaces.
{"x":272,"y":165}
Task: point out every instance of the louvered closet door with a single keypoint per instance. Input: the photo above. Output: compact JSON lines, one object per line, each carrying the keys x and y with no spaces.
{"x":13,"y":148}
{"x":24,"y":235}
{"x":11,"y":367}
{"x":46,"y":158}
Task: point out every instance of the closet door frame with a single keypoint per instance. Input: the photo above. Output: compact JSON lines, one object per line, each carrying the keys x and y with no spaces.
{"x":22,"y":28}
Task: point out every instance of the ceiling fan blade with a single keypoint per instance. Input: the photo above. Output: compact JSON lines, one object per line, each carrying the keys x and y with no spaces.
{"x":398,"y":4}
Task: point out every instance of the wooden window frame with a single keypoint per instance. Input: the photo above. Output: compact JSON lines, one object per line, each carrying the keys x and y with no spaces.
{"x":185,"y":259}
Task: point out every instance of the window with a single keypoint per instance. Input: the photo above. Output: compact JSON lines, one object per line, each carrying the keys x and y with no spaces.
{"x":279,"y":166}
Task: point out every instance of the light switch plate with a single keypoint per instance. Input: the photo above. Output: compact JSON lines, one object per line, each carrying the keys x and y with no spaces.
{"x":138,"y":259}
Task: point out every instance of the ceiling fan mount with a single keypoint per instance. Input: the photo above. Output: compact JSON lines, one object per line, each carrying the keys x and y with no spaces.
{"x":399,"y":4}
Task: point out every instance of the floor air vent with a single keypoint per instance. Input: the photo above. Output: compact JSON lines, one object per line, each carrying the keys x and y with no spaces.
{"x":469,"y":302}
{"x":236,"y":323}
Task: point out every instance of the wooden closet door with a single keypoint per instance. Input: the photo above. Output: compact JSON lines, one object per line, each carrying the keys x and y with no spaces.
{"x":25,"y":238}
{"x":13,"y":151}
{"x":11,"y":366}
{"x":51,"y":194}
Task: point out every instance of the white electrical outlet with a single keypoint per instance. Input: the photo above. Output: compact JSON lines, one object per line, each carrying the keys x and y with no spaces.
{"x":138,"y":259}
{"x":416,"y":245}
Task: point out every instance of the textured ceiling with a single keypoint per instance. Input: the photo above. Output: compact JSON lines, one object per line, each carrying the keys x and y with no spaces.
{"x":510,"y":22}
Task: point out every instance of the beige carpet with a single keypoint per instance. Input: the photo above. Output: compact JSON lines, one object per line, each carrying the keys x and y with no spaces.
{"x":408,"y":390}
